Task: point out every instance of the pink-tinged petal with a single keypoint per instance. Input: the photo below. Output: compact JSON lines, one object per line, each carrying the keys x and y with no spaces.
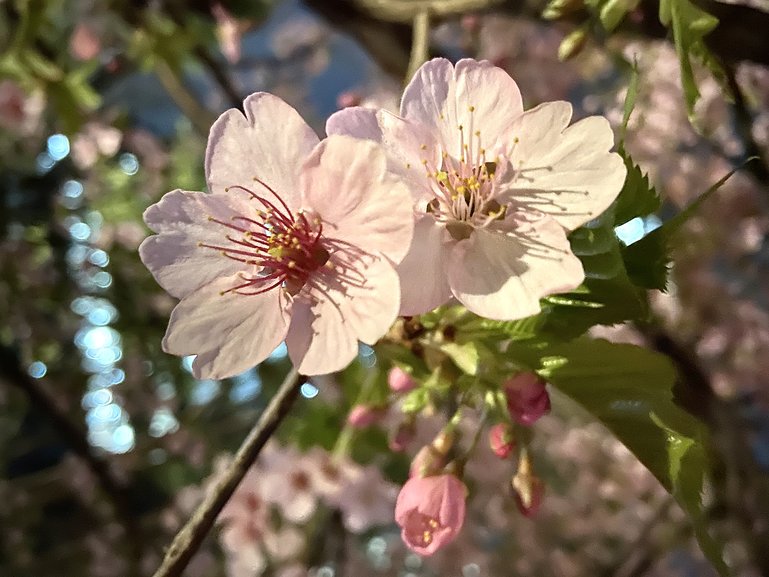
{"x":488,"y":102}
{"x":568,"y":173}
{"x":174,"y":256}
{"x":407,"y":144}
{"x":269,"y":143}
{"x":356,"y":121}
{"x":423,"y":273}
{"x":430,"y":97}
{"x":229,"y":332}
{"x":430,"y":512}
{"x":502,"y":275}
{"x":345,"y":182}
{"x":324,"y":336}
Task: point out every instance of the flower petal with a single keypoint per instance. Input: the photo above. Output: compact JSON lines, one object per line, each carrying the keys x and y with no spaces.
{"x":324,"y":335}
{"x":494,"y":98}
{"x":476,"y":95}
{"x":424,"y":280}
{"x":230,"y":333}
{"x":269,"y":143}
{"x":182,"y":218}
{"x":567,"y":173}
{"x":406,"y":143}
{"x":503,"y":274}
{"x":346,"y":183}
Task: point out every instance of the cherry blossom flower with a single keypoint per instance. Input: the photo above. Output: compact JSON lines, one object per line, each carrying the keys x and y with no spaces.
{"x":527,"y":398}
{"x":296,"y":240}
{"x":367,"y":500}
{"x":430,"y":512}
{"x":496,"y":189}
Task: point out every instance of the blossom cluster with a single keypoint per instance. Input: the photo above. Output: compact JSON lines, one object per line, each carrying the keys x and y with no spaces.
{"x":462,"y":196}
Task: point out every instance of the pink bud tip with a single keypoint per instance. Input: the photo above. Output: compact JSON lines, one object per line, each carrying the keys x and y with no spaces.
{"x":347,"y":99}
{"x":400,"y":381}
{"x":527,"y":398}
{"x":430,"y":512}
{"x":529,"y":501}
{"x":362,"y":416}
{"x":501,"y":440}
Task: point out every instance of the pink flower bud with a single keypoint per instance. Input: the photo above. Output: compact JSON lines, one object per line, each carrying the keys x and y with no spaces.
{"x":527,"y":398}
{"x":400,"y":381}
{"x":403,"y":436}
{"x":430,"y":512}
{"x":529,"y":500}
{"x":501,"y":440}
{"x":362,"y":416}
{"x":348,"y":98}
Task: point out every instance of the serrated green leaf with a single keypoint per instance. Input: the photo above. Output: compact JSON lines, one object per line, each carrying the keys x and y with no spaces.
{"x":638,"y":197}
{"x":630,"y":99}
{"x":690,"y":25}
{"x":647,"y":261}
{"x":629,"y":390}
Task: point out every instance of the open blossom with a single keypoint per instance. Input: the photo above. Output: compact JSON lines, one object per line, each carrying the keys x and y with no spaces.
{"x":296,"y":240}
{"x":430,"y":512}
{"x":496,"y":189}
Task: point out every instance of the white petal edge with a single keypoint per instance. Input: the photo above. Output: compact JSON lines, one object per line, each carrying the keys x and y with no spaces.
{"x":502,"y":277}
{"x":270,"y":142}
{"x":230,"y":333}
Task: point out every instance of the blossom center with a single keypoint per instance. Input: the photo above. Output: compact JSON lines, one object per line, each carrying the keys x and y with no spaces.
{"x":285,"y":248}
{"x":463,"y":185}
{"x":420,"y":529}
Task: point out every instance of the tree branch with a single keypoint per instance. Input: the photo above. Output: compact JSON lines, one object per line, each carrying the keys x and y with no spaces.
{"x":188,"y":540}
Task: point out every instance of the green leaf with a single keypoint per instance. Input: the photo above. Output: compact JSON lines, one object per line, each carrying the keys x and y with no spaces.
{"x":638,"y":197}
{"x":630,"y":98}
{"x":647,"y":261}
{"x":629,"y":390}
{"x":690,"y":25}
{"x":465,"y":356}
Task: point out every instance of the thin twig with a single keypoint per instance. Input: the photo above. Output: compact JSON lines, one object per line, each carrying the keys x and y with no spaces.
{"x":188,"y":540}
{"x":223,"y":79}
{"x":420,"y":43}
{"x":201,"y":118}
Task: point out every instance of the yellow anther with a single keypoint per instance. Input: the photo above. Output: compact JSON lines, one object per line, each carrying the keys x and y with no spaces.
{"x":471,"y":108}
{"x":423,"y":147}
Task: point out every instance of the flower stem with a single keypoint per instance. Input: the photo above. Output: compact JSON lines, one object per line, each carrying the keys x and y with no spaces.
{"x":189,"y":538}
{"x":420,"y":43}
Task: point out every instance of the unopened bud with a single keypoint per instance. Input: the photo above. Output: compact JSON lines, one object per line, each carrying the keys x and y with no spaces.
{"x":404,"y":434}
{"x":572,"y":44}
{"x":501,"y":440}
{"x":527,"y":487}
{"x":362,"y":416}
{"x":527,"y":398}
{"x":347,"y":99}
{"x":400,"y":381}
{"x":432,"y":458}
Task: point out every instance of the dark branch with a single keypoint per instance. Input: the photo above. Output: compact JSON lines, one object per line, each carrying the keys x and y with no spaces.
{"x":188,"y":540}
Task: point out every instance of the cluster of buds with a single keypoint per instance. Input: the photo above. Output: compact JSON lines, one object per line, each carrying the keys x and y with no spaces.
{"x":431,"y":505}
